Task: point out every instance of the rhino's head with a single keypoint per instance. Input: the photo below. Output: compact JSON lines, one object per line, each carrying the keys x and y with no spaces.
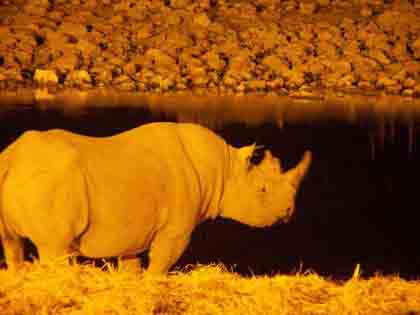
{"x":261,"y":195}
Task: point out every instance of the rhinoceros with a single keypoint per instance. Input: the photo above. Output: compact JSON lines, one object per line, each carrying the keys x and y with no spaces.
{"x":146,"y":188}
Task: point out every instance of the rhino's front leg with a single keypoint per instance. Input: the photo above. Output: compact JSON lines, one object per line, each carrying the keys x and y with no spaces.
{"x":131,"y":264}
{"x":165,"y":251}
{"x":13,"y":252}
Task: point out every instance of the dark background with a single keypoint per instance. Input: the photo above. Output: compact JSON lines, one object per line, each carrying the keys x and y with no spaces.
{"x":353,"y":207}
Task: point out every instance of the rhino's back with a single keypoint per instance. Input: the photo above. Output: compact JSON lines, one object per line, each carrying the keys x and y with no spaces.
{"x":178,"y":163}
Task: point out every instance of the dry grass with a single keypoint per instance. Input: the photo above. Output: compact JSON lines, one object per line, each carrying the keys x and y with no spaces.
{"x":85,"y":290}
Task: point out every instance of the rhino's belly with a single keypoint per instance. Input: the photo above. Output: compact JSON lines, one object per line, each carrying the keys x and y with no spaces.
{"x":114,"y":243}
{"x":123,"y":211}
{"x":123,"y":231}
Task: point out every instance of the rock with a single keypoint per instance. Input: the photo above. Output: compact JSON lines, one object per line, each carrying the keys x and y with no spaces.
{"x":275,"y":64}
{"x":145,"y":31}
{"x":366,"y":69}
{"x":66,"y":63}
{"x":45,"y":77}
{"x":126,"y":86}
{"x":413,"y":68}
{"x":121,"y":79}
{"x":24,"y":58}
{"x":213,"y":60}
{"x":161,"y":83}
{"x":86,"y":47}
{"x":34,"y":9}
{"x":365,"y":85}
{"x":56,"y":41}
{"x":202,"y":20}
{"x":307,"y":34}
{"x":295,"y":78}
{"x":407,"y":92}
{"x":130,"y":68}
{"x":327,"y":50}
{"x":346,"y":81}
{"x":308,"y":7}
{"x":399,"y":51}
{"x":166,"y":84}
{"x":392,"y":69}
{"x":13,"y":77}
{"x":181,"y":86}
{"x":385,"y":81}
{"x":41,"y":57}
{"x":416,"y":48}
{"x":240,"y":88}
{"x":78,"y":77}
{"x":240,"y":67}
{"x":229,"y":47}
{"x":366,"y":11}
{"x":315,"y":68}
{"x":257,"y":85}
{"x":229,"y":81}
{"x":56,"y":16}
{"x":102,"y":75}
{"x":342,"y":66}
{"x":330,"y":79}
{"x":379,"y":56}
{"x":400,"y":76}
{"x":417,"y":89}
{"x":275,"y":84}
{"x":388,"y":19}
{"x":73,"y":29}
{"x":198,"y":76}
{"x":324,"y":3}
{"x":394,"y":89}
{"x":174,"y":43}
{"x":157,"y":58}
{"x":409,"y":83}
{"x":117,"y":19}
{"x":180,"y":4}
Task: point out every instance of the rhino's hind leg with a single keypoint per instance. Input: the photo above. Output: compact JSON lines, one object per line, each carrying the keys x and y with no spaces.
{"x":13,"y":252}
{"x":65,"y":215}
{"x":165,"y":251}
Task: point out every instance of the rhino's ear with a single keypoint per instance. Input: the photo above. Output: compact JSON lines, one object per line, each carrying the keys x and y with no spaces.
{"x":245,"y":154}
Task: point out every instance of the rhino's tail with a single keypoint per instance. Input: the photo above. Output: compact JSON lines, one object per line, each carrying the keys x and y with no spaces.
{"x":6,"y":156}
{"x":4,"y":167}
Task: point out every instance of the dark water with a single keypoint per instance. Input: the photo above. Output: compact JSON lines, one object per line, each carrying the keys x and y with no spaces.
{"x":352,"y":208}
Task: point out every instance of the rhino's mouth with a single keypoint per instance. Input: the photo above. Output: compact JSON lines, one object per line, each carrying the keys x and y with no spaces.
{"x":282,"y":221}
{"x":286,"y":218}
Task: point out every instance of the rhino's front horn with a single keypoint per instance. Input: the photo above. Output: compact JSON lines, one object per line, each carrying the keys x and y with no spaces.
{"x":296,"y":174}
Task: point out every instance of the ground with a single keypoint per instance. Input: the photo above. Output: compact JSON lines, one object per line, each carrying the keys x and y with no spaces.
{"x":79,"y":290}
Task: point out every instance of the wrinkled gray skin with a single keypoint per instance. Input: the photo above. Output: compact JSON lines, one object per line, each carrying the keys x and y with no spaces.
{"x":145,"y":188}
